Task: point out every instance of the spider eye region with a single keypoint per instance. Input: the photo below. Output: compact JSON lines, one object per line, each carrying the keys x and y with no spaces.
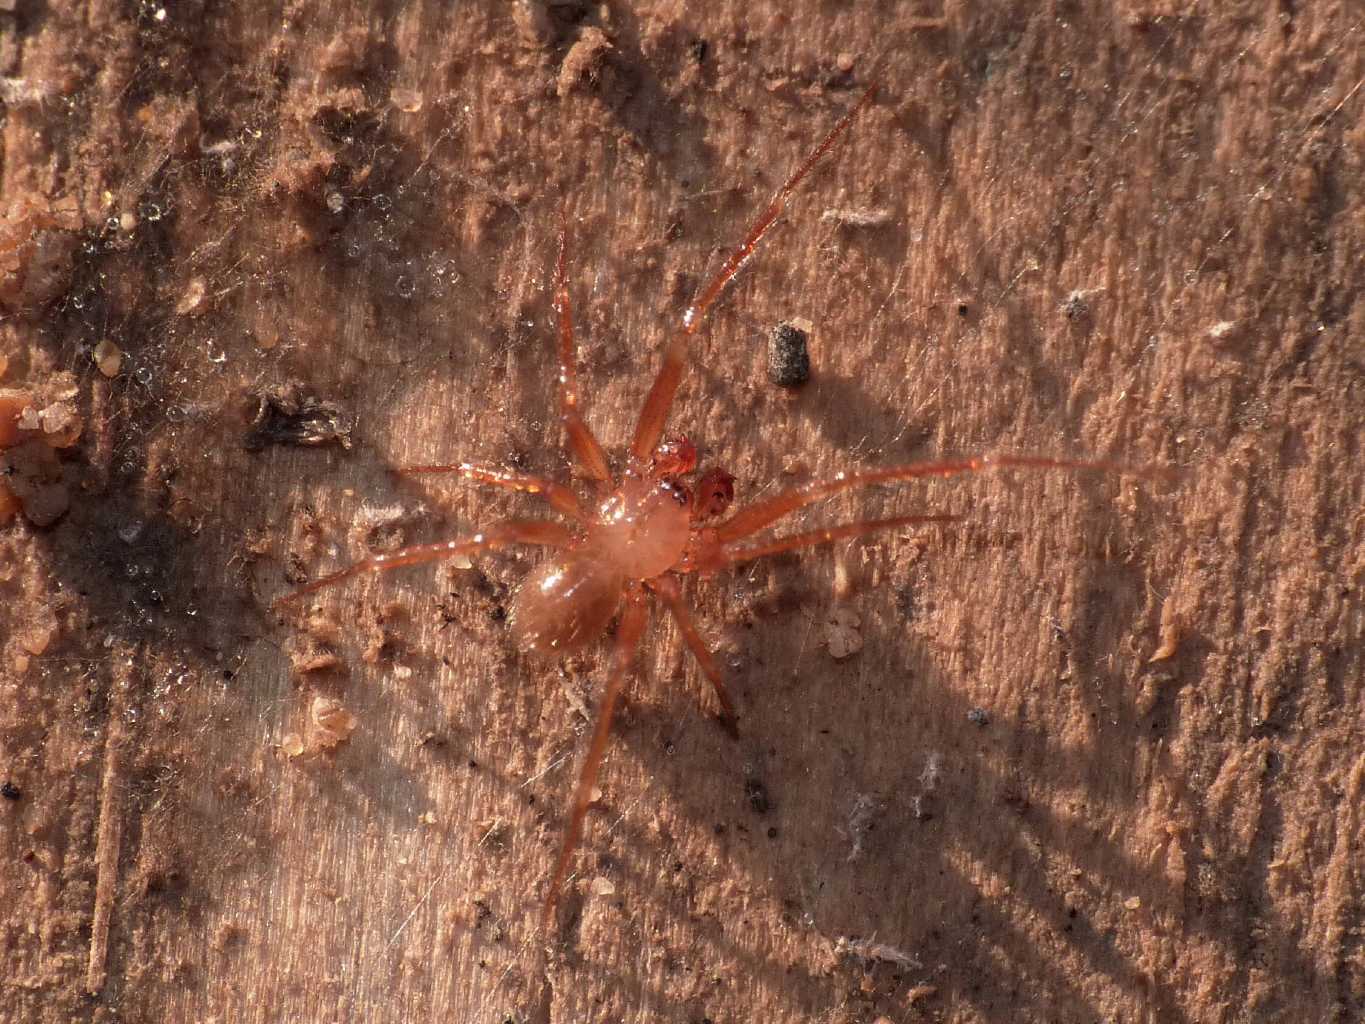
{"x":642,"y":529}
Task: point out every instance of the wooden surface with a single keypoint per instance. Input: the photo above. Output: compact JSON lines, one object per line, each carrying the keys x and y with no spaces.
{"x":1132,"y":235}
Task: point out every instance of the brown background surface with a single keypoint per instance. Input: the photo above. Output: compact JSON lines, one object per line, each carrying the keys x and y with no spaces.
{"x":1134,"y":234}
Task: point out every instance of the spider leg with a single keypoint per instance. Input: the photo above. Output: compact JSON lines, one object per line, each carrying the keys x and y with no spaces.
{"x":628,"y":632}
{"x":563,"y":499}
{"x":582,"y":444}
{"x":509,"y":531}
{"x":660,"y":400}
{"x":667,"y":588}
{"x":755,"y":517}
{"x":748,"y":552}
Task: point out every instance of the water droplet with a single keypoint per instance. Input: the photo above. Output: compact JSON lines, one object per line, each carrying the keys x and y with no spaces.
{"x":336,"y":202}
{"x":151,"y":212}
{"x":382,"y":202}
{"x":353,"y":250}
{"x":404,"y":286}
{"x":130,"y":531}
{"x":143,"y":375}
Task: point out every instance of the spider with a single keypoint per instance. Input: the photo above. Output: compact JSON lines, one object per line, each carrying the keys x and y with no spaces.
{"x":642,"y":530}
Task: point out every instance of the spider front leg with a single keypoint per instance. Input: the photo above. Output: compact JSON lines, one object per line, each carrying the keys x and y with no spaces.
{"x":559,"y":496}
{"x":583,"y":446}
{"x":654,"y":414}
{"x":510,"y":531}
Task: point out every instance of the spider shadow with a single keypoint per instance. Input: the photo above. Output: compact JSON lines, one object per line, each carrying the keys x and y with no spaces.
{"x":990,"y":805}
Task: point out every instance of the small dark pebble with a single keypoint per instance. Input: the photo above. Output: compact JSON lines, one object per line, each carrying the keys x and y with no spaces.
{"x":772,"y":833}
{"x":788,"y":356}
{"x":979,"y":716}
{"x":10,"y":791}
{"x":1075,"y":307}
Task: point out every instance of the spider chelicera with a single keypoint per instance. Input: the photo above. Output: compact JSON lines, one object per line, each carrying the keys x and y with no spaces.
{"x":641,"y":531}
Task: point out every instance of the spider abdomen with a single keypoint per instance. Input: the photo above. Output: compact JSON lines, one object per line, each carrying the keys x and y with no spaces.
{"x":565,"y":603}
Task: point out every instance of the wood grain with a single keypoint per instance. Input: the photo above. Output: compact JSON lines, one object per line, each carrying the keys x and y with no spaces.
{"x":1131,"y":235}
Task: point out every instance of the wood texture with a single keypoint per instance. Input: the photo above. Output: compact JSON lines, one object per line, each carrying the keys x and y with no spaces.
{"x":1132,"y":235}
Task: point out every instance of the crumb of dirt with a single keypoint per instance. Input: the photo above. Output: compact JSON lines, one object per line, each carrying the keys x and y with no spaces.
{"x":788,"y":355}
{"x":858,"y":217}
{"x":1169,"y":632}
{"x":593,"y":66}
{"x":191,"y":302}
{"x":407,"y":101}
{"x":32,"y":424}
{"x":323,"y":628}
{"x":919,"y":993}
{"x":316,"y":661}
{"x":384,"y":527}
{"x":603,"y":886}
{"x":533,"y":22}
{"x":979,"y":717}
{"x":862,"y":819}
{"x":870,"y":949}
{"x":1076,"y":306}
{"x":37,"y":250}
{"x":332,"y":723}
{"x":292,"y":744}
{"x":33,"y":474}
{"x":61,"y":424}
{"x":288,"y":414}
{"x":842,"y":635}
{"x":108,"y":358}
{"x":14,"y":404}
{"x":1223,"y":330}
{"x":38,"y":637}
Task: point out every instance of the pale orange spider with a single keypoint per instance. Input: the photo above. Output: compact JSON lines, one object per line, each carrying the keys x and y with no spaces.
{"x":639,"y":534}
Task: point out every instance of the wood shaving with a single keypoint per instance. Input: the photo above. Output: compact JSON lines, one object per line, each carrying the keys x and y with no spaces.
{"x":842,"y":635}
